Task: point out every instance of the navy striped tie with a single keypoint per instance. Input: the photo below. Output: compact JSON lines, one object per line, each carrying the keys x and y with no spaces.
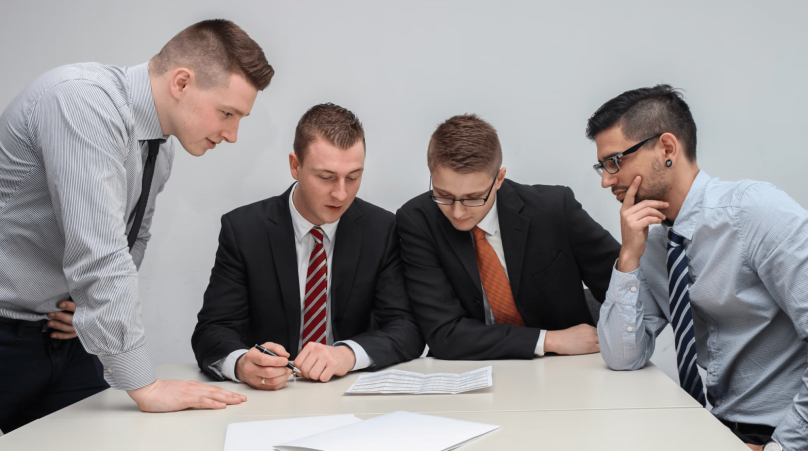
{"x":682,"y":318}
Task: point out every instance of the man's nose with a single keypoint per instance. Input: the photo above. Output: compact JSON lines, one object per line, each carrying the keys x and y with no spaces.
{"x":230,"y":133}
{"x":340,"y":193}
{"x":458,"y":210}
{"x":607,"y":179}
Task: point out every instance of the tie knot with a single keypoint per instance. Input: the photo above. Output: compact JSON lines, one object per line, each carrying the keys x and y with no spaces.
{"x":317,"y":233}
{"x":674,"y":239}
{"x":479,"y":234}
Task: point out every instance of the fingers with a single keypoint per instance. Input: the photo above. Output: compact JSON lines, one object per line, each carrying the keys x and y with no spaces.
{"x":63,"y":335}
{"x":64,"y":317}
{"x":276,"y":348}
{"x":631,"y":192}
{"x":70,"y":306}
{"x":271,"y":383}
{"x":259,"y":358}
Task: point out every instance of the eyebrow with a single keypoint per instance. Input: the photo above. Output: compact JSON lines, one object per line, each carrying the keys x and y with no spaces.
{"x":327,"y":171}
{"x":611,"y":155}
{"x":477,"y":195}
{"x":236,"y":110}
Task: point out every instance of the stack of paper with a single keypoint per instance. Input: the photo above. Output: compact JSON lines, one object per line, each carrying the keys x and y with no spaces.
{"x":394,"y":431}
{"x":397,"y":381}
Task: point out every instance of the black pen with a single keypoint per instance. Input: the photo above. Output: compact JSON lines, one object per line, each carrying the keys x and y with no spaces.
{"x":267,"y":351}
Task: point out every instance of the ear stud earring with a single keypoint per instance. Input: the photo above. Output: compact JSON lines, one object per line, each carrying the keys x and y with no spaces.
{"x":669,"y":163}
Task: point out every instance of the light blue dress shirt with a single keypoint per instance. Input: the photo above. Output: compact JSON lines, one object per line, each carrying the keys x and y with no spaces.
{"x":747,"y":247}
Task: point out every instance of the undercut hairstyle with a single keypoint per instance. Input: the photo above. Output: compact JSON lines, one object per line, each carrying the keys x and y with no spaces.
{"x":646,"y":112}
{"x":465,"y":144}
{"x":332,"y":123}
{"x":215,"y":49}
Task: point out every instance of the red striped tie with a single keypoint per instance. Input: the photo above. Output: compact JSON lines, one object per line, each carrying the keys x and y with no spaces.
{"x":314,"y":313}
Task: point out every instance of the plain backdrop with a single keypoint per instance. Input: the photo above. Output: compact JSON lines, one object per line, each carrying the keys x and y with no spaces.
{"x":536,"y":70}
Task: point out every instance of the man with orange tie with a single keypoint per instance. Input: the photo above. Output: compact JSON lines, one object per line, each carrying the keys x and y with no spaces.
{"x":494,"y":268}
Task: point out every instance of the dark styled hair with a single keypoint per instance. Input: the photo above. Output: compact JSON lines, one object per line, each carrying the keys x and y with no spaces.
{"x":333,"y":123}
{"x":465,"y":144}
{"x":645,"y":112}
{"x":214,"y":49}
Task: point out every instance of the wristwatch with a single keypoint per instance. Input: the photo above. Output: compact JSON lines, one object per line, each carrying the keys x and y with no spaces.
{"x":773,"y":445}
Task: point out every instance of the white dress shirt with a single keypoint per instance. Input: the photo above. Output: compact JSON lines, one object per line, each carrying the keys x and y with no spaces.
{"x":490,"y":225}
{"x":304,"y":243}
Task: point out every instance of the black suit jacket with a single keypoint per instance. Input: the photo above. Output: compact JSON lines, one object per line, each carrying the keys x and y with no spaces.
{"x":551,"y":245}
{"x":254,"y":293}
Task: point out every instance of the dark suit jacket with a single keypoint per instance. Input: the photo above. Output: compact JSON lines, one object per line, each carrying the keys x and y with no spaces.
{"x":551,"y":245}
{"x":254,"y":293}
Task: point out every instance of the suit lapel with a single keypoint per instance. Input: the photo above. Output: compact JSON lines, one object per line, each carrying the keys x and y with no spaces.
{"x":461,"y":244}
{"x":514,"y":229}
{"x":347,"y":249}
{"x":284,"y":254}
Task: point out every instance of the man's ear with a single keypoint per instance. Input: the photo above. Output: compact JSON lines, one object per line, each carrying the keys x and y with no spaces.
{"x":501,"y":176}
{"x":294,"y":165}
{"x":671,"y":148}
{"x":179,"y":81}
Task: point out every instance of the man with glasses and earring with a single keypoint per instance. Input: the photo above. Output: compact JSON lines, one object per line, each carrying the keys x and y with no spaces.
{"x":494,"y":268}
{"x":724,"y":263}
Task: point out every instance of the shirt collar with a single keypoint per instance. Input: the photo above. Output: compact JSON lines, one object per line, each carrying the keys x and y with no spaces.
{"x":302,"y":227}
{"x":490,"y":223}
{"x":147,"y":124}
{"x":685,"y":223}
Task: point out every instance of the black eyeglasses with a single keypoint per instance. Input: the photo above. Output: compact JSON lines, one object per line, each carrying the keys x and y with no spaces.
{"x":473,"y":202}
{"x":612,"y":164}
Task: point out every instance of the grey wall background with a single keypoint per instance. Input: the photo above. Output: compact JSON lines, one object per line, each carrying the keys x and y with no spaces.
{"x":535,"y":69}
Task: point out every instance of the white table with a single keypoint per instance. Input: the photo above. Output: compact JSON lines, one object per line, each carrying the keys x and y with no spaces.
{"x":572,"y":402}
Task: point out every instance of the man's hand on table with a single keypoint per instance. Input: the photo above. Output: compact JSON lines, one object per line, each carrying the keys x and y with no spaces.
{"x":320,"y":362}
{"x":577,"y":340}
{"x":173,"y":395}
{"x":62,"y":321}
{"x":262,"y":371}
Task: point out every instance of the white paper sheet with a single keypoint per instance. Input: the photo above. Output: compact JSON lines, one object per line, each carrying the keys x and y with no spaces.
{"x":397,"y":381}
{"x":405,"y":431}
{"x":260,"y":435}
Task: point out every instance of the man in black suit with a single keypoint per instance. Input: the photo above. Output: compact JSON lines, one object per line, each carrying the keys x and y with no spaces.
{"x":314,"y":274}
{"x":494,"y":268}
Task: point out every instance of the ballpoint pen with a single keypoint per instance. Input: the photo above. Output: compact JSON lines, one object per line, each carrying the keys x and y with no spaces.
{"x":268,"y":352}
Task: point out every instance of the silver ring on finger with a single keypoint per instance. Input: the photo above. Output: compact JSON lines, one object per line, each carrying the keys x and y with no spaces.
{"x":263,"y":382}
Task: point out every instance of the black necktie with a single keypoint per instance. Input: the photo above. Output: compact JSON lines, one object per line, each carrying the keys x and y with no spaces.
{"x":148,"y":174}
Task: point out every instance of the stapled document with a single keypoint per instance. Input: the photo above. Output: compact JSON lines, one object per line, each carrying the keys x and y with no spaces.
{"x":406,"y":382}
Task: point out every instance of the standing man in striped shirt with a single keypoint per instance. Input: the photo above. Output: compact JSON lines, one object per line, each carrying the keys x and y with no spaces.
{"x":83,"y":155}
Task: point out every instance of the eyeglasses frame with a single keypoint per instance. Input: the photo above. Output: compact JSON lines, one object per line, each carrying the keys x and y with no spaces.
{"x":463,"y":201}
{"x":601,"y":166}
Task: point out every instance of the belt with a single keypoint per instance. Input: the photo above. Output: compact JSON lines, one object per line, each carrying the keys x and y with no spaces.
{"x":41,"y":324}
{"x":745,"y":428}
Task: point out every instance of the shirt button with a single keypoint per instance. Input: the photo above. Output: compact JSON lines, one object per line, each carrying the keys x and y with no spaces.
{"x":109,"y":370}
{"x":633,"y":289}
{"x":712,"y":328}
{"x":711,"y":370}
{"x":630,"y":329}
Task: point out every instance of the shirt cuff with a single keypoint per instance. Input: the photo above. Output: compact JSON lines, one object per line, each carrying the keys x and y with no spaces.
{"x":624,"y":288}
{"x":228,"y":364}
{"x":540,"y":344}
{"x":128,"y":371}
{"x":363,"y":360}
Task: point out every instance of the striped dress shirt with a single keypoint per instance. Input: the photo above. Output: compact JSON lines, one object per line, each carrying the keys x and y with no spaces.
{"x":747,"y":248}
{"x":72,"y":150}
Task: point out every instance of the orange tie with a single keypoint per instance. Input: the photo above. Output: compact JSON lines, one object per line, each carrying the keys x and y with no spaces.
{"x":495,"y":282}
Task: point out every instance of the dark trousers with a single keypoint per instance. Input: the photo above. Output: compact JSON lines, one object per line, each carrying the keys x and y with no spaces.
{"x":754,"y":434}
{"x":40,"y":375}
